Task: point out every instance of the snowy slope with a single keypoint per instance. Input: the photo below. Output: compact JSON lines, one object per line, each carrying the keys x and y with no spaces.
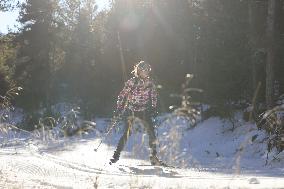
{"x":208,"y":156}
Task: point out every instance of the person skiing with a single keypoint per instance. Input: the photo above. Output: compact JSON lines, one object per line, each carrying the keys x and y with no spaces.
{"x":138,"y":98}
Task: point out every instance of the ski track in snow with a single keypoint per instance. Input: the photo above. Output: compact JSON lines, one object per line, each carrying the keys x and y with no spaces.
{"x":72,"y":163}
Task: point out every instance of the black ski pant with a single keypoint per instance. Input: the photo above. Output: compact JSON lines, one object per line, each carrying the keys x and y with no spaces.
{"x":147,"y":122}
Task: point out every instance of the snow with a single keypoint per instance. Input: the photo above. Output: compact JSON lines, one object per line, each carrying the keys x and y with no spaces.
{"x":210,"y":155}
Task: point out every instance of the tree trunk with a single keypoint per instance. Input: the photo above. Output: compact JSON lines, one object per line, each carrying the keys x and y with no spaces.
{"x":252,"y":43}
{"x":270,"y":61}
{"x":279,"y":66}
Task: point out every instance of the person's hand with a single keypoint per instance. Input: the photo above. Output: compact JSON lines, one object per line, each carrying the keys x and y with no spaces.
{"x":119,"y":109}
{"x":153,"y":112}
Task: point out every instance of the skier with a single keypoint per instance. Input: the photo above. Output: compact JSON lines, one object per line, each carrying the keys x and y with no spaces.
{"x":138,"y":98}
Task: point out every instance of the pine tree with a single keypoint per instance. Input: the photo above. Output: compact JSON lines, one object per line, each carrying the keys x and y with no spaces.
{"x":80,"y":56}
{"x":7,"y":58}
{"x":271,"y":56}
{"x":34,"y":68}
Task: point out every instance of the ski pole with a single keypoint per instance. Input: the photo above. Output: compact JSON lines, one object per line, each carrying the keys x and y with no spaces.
{"x":112,"y":126}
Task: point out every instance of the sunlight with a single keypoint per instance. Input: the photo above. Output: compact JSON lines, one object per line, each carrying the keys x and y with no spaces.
{"x":8,"y":20}
{"x":103,"y":4}
{"x":166,"y":26}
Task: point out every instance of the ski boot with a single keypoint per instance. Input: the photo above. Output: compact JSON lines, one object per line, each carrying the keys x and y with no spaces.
{"x":114,"y":159}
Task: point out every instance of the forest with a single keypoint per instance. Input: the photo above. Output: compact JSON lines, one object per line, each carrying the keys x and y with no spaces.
{"x":217,"y":67}
{"x":68,"y":51}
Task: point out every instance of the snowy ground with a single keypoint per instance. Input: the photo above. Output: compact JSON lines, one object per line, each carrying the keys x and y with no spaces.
{"x":208,"y":156}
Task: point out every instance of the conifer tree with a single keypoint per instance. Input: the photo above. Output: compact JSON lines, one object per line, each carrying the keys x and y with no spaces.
{"x":33,"y":70}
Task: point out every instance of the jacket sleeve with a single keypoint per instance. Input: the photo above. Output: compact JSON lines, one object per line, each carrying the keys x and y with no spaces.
{"x":154,"y":96}
{"x":124,"y":93}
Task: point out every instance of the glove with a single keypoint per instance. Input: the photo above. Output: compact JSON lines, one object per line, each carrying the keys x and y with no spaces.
{"x":153,"y":114}
{"x":117,"y":112}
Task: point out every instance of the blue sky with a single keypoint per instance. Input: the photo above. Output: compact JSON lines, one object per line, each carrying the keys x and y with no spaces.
{"x":9,"y":19}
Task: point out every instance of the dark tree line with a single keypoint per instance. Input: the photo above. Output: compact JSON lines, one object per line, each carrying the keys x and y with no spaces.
{"x":69,"y":51}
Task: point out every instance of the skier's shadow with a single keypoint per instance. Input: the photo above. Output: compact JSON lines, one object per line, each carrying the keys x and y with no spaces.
{"x":150,"y":170}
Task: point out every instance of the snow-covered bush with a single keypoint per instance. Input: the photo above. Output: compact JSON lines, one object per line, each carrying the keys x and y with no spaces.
{"x":272,"y":121}
{"x":188,"y":109}
{"x":6,"y":102}
{"x":60,"y":120}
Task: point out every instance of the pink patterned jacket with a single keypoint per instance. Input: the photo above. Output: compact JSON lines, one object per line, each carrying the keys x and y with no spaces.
{"x":138,"y":95}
